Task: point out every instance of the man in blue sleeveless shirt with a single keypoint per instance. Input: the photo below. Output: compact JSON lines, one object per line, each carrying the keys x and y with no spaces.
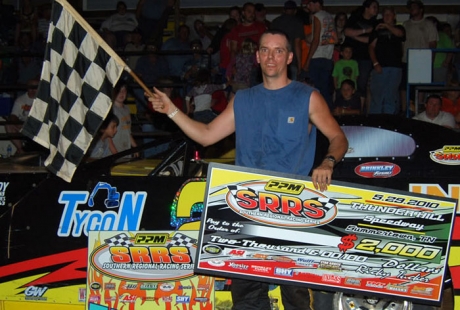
{"x":275,"y":125}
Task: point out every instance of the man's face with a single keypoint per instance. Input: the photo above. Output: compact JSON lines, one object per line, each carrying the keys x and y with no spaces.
{"x":235,"y":14}
{"x":121,"y":9}
{"x":415,"y":10}
{"x":249,"y":14}
{"x":184,"y":34}
{"x":273,"y":55}
{"x":373,"y":9}
{"x":433,"y":107}
{"x":260,"y":15}
{"x":32,"y":89}
{"x":388,"y":16}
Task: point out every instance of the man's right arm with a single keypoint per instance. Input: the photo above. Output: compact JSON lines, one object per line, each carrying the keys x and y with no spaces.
{"x":205,"y":134}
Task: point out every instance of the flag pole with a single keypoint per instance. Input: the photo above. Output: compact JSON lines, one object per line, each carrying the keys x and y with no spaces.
{"x":103,"y":44}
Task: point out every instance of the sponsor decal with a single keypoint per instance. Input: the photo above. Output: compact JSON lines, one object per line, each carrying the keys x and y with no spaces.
{"x":306,"y":263}
{"x":330,"y":265}
{"x":149,"y":238}
{"x":353,"y":281}
{"x":236,"y":253}
{"x":185,"y":287}
{"x":130,"y":286}
{"x":3,"y":186}
{"x":182,"y":299}
{"x":109,"y":286}
{"x":375,"y":284}
{"x":280,"y":203}
{"x":284,"y":272}
{"x":203,"y":287}
{"x":448,"y":155}
{"x":238,"y":266}
{"x":148,"y":286}
{"x":128,"y":298}
{"x":201,"y":299}
{"x":167,"y":287}
{"x":422,"y":290}
{"x":397,"y":288}
{"x":212,"y":249}
{"x":95,"y":299}
{"x":331,"y":278}
{"x":166,"y":298}
{"x":82,"y":294}
{"x":216,"y":262}
{"x":122,"y":214}
{"x":262,"y":269}
{"x":95,"y":286}
{"x":35,"y":292}
{"x":377,"y":169}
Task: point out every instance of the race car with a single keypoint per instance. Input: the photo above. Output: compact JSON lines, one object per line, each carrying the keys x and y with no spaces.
{"x":45,"y":221}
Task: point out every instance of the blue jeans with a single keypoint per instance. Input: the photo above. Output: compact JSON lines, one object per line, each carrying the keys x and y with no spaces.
{"x":385,"y":91}
{"x":320,"y":72}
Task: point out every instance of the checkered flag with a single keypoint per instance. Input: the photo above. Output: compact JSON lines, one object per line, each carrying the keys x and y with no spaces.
{"x":327,"y":203}
{"x":119,"y":240}
{"x":182,"y":240}
{"x":74,"y":94}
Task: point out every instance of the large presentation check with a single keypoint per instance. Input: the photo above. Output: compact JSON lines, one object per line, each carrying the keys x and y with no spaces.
{"x":277,"y":228}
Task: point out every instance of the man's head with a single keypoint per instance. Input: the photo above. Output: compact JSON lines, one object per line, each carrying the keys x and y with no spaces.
{"x":260,"y":11}
{"x":416,"y":9}
{"x":290,"y":7}
{"x":433,"y":106}
{"x":313,"y":6}
{"x":389,"y":15}
{"x":235,"y":13}
{"x":121,"y":8}
{"x":248,"y":13}
{"x":32,"y":88}
{"x":274,"y":54}
{"x":183,"y":33}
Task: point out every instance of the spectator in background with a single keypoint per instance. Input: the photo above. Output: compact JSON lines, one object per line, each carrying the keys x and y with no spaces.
{"x":27,"y":21}
{"x":134,"y":45}
{"x":345,"y":68}
{"x":305,"y":16}
{"x":153,"y":17}
{"x":7,"y":23}
{"x":340,"y":20}
{"x":357,"y":31}
{"x":433,"y":113}
{"x":451,"y":101}
{"x":198,"y":62}
{"x":261,"y":14}
{"x":385,"y":50}
{"x":202,"y":33}
{"x":319,"y":64}
{"x":20,"y":111}
{"x":289,"y":23}
{"x":233,"y":13}
{"x":456,"y":61}
{"x":179,"y":43}
{"x":123,"y":140}
{"x":442,"y":61}
{"x":100,"y":147}
{"x":44,"y":23}
{"x":420,"y":33}
{"x":116,"y":28}
{"x":347,"y":102}
{"x":28,"y":67}
{"x":149,"y":68}
{"x":242,"y":65}
{"x":224,"y":49}
{"x":249,"y":28}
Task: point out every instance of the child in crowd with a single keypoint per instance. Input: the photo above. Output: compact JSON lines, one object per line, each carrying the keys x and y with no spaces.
{"x":201,"y":96}
{"x":242,"y":65}
{"x":345,"y":68}
{"x":348,"y":102}
{"x":100,"y":145}
{"x":123,"y":140}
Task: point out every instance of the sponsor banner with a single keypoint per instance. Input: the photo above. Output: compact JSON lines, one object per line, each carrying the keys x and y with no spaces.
{"x":145,"y":270}
{"x":448,"y":155}
{"x":377,"y":169}
{"x":275,"y":227}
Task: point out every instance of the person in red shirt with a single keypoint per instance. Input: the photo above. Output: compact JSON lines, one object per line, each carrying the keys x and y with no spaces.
{"x":249,"y":28}
{"x":451,"y":101}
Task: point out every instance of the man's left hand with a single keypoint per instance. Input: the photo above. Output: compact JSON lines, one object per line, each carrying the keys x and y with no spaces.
{"x":322,"y":175}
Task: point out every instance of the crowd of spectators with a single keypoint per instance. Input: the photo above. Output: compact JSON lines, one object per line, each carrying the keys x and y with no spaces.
{"x":357,"y":61}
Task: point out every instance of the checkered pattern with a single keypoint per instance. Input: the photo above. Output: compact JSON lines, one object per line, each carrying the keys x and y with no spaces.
{"x":119,"y":240}
{"x":327,"y":203}
{"x":182,"y":240}
{"x":74,"y":94}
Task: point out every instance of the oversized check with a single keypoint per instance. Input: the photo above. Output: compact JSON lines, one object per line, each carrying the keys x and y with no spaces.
{"x":277,"y":228}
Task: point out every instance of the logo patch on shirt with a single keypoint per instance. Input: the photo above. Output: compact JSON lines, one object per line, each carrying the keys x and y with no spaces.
{"x":291,"y":120}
